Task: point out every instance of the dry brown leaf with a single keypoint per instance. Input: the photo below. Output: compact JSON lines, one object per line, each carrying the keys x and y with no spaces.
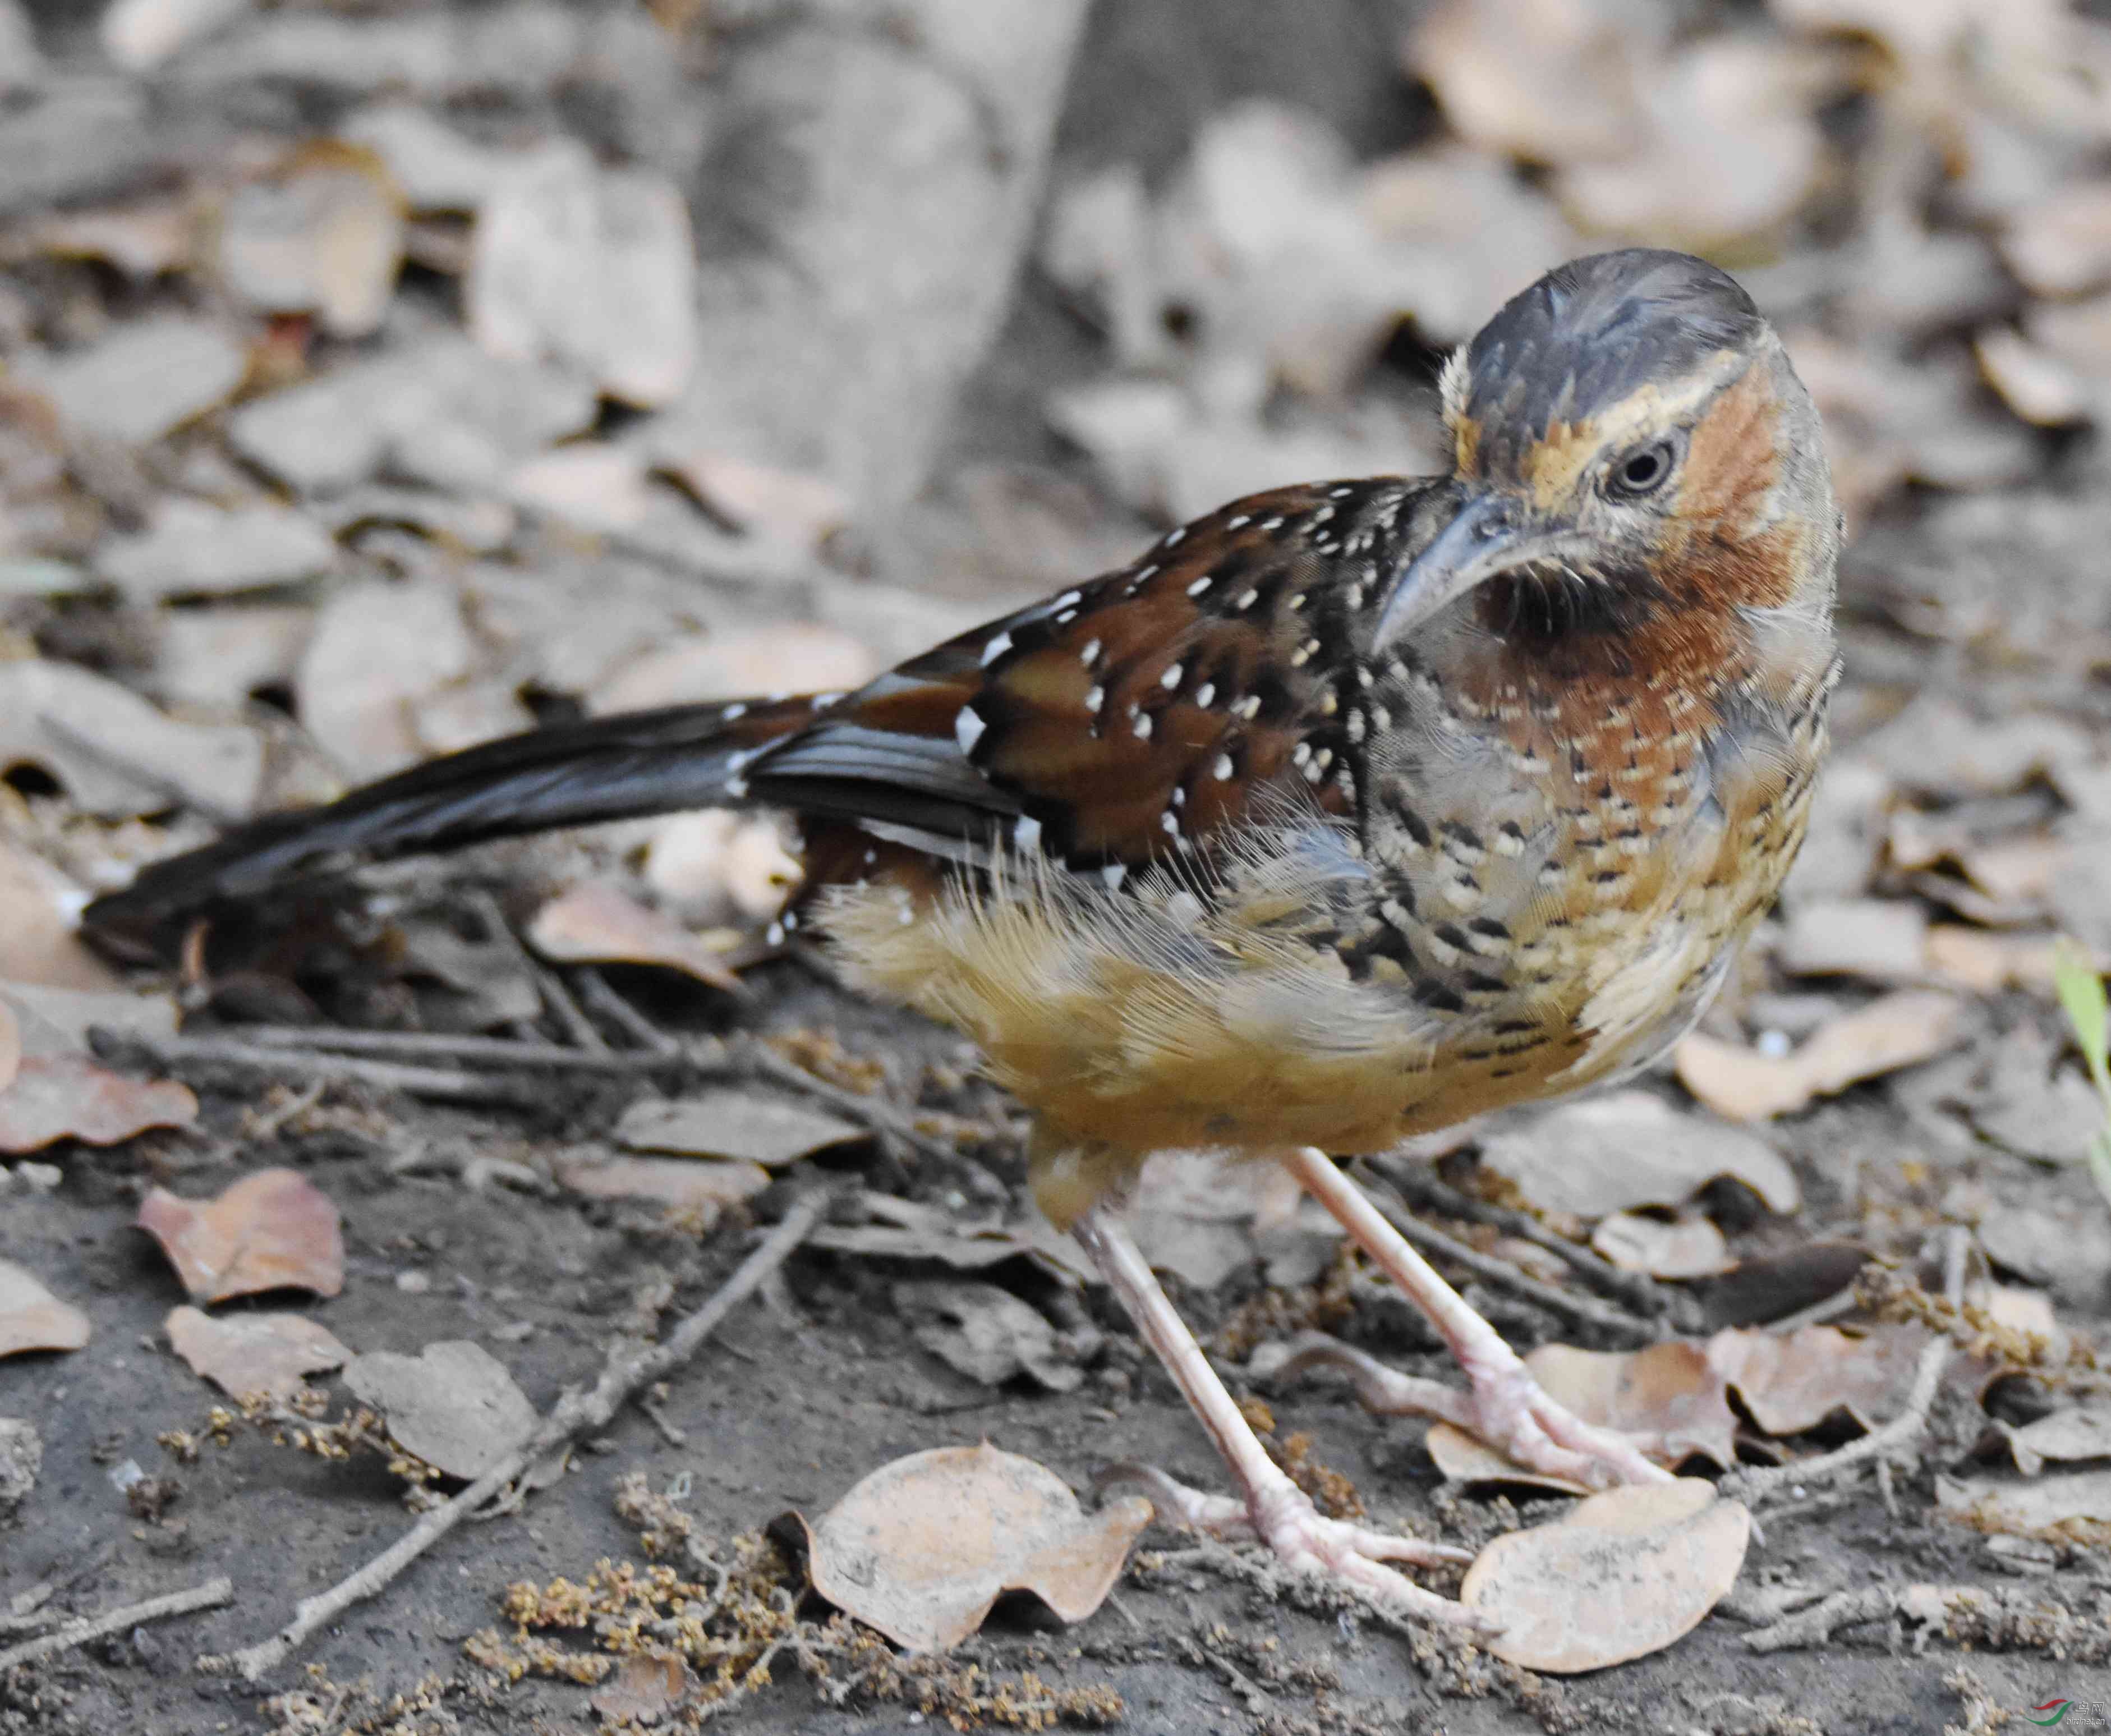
{"x":271,"y":1354}
{"x":139,"y":34}
{"x":1984,"y":963}
{"x":773,"y":505}
{"x":2061,"y":246}
{"x":591,"y":266}
{"x":1192,"y":1214}
{"x":728,"y":1123}
{"x":1899,"y":1030}
{"x":191,"y":548}
{"x":1936,"y":747}
{"x":1725,"y":148}
{"x":1550,"y":81}
{"x":1793,"y":1383}
{"x":378,"y":649}
{"x":143,"y":240}
{"x":923,"y":1547}
{"x":1883,"y":939}
{"x":1628,"y":1149}
{"x":644,"y":1690}
{"x":273,"y":1230}
{"x":143,"y":380}
{"x":37,"y":942}
{"x":323,"y":233}
{"x":2040,"y":387}
{"x":703,"y":1188}
{"x":596,"y":924}
{"x":73,"y":1096}
{"x":116,"y":755}
{"x":2037,"y":1508}
{"x":453,"y":1405}
{"x":2084,"y":1433}
{"x":1621,"y":1575}
{"x":31,"y":1318}
{"x":1681,"y":1247}
{"x":1669,"y":1392}
{"x":986,"y":1333}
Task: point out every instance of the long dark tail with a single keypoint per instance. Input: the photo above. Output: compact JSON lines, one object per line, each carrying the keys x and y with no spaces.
{"x":576,"y":773}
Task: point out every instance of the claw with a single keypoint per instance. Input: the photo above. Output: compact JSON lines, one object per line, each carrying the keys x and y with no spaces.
{"x":1284,"y":1520}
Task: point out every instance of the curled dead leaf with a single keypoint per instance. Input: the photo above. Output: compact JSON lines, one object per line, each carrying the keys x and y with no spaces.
{"x":31,"y":1318}
{"x":1686,"y":1246}
{"x":2083,"y":1433}
{"x":986,"y":1333}
{"x":453,"y":1405}
{"x":1792,"y":1383}
{"x":37,"y":942}
{"x":595,"y":923}
{"x":241,"y":1354}
{"x":273,"y":1230}
{"x":1899,"y":1030}
{"x":1624,"y":1574}
{"x":2040,"y":1507}
{"x":73,"y":1096}
{"x":323,"y":233}
{"x":922,"y":1549}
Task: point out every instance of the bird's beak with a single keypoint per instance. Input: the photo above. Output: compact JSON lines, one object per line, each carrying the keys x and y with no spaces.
{"x":1490,"y":534}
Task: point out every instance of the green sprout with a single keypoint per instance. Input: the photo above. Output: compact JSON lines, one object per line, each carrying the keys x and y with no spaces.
{"x":2081,"y":987}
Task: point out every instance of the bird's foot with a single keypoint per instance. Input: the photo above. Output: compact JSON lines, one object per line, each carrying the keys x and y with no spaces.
{"x":1504,"y":1407}
{"x":1282,"y":1518}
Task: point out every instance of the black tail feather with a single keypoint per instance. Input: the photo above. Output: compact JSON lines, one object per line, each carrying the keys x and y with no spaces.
{"x":576,"y":773}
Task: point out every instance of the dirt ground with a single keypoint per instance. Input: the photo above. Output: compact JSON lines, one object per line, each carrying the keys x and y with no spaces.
{"x":808,"y":1389}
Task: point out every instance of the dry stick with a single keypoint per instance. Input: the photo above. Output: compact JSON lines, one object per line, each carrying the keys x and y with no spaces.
{"x":1634,"y":1290}
{"x":176,"y":1054}
{"x":573,"y":1415}
{"x":211,"y":1595}
{"x":497,"y":1051}
{"x":558,"y":998}
{"x":1434,"y":1242}
{"x":1815,"y":1625}
{"x":613,"y":1007}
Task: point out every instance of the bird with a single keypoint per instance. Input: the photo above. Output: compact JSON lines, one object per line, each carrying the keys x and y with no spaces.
{"x":1344,"y":813}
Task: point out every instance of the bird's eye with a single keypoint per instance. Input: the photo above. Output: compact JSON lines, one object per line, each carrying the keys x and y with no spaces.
{"x":1642,"y":472}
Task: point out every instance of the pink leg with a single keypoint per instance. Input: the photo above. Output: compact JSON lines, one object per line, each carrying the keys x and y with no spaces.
{"x":1505,"y":1406}
{"x":1274,"y":1508}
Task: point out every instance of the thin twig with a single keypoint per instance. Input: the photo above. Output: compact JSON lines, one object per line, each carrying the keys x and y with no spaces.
{"x":1428,"y":1192}
{"x":211,"y":1595}
{"x":181,"y":1054}
{"x":614,"y":1008}
{"x":1587,"y":1309}
{"x":575,"y":1414}
{"x":577,"y":1026}
{"x":496,"y":1052}
{"x":1821,"y":1621}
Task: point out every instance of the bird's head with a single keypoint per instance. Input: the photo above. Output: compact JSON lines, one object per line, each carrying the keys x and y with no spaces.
{"x":1631,"y":443}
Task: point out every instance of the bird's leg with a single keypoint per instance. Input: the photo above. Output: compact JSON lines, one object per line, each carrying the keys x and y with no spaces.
{"x":1505,"y":1406}
{"x":1274,"y":1508}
